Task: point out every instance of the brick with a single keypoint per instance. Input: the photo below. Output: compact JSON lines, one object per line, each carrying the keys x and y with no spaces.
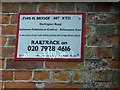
{"x":66,"y":7}
{"x":92,"y":64}
{"x":91,"y":40}
{"x":60,"y":86}
{"x":80,"y":75}
{"x":10,"y":7}
{"x":116,"y":52}
{"x":0,"y":19}
{"x":89,"y":30}
{"x":115,"y":76}
{"x":1,"y":85}
{"x":100,"y":40}
{"x":61,"y":75}
{"x":102,"y":7}
{"x":9,"y":30}
{"x":101,"y":18}
{"x":115,"y":40}
{"x":100,"y":85}
{"x":14,"y":19}
{"x":1,"y":52}
{"x":115,"y":7}
{"x":63,"y":65}
{"x":4,"y":19}
{"x":101,"y":75}
{"x":113,"y":64}
{"x":11,"y":63}
{"x":41,"y":75}
{"x":91,"y":18}
{"x":105,"y":30}
{"x":7,"y":52}
{"x":3,"y":41}
{"x":0,"y":74}
{"x":76,"y":76}
{"x":84,"y":75}
{"x":1,"y":64}
{"x":20,"y":85}
{"x":117,"y":31}
{"x":23,"y":75}
{"x":11,"y":41}
{"x":114,"y":87}
{"x":48,"y":7}
{"x":84,"y":7}
{"x":28,"y":7}
{"x":1,"y":7}
{"x":7,"y":75}
{"x":88,"y":53}
{"x":103,"y":52}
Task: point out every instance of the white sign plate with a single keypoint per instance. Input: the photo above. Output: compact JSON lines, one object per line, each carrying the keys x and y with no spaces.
{"x":50,"y":36}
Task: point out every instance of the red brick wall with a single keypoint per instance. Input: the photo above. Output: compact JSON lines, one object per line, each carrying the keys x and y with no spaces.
{"x":101,"y":65}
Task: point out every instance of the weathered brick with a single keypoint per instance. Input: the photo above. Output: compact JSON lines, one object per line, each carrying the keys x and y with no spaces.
{"x":116,"y":52}
{"x":48,"y":7}
{"x":91,"y":18}
{"x":105,"y":30}
{"x":4,"y":19}
{"x":115,"y":7}
{"x":114,"y":86}
{"x":98,"y":85}
{"x":115,"y":76}
{"x":88,"y":53}
{"x":6,"y":30}
{"x":63,"y":65}
{"x":23,"y":75}
{"x":91,"y":40}
{"x":11,"y":63}
{"x":14,"y":19}
{"x":3,"y":41}
{"x":95,"y":64}
{"x":66,"y":7}
{"x":113,"y":64}
{"x":10,"y":7}
{"x":7,"y":75}
{"x":7,"y":52}
{"x":60,"y":86}
{"x":100,"y":40}
{"x":22,"y":85}
{"x":28,"y":7}
{"x":84,"y":7}
{"x":103,"y":52}
{"x":61,"y":75}
{"x":101,"y":75}
{"x":115,"y":40}
{"x":103,"y":18}
{"x":89,"y":30}
{"x":102,"y":7}
{"x":117,"y":31}
{"x":41,"y":75}
{"x":11,"y":41}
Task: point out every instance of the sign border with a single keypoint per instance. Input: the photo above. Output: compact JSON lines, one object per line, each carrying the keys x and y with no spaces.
{"x":51,"y":59}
